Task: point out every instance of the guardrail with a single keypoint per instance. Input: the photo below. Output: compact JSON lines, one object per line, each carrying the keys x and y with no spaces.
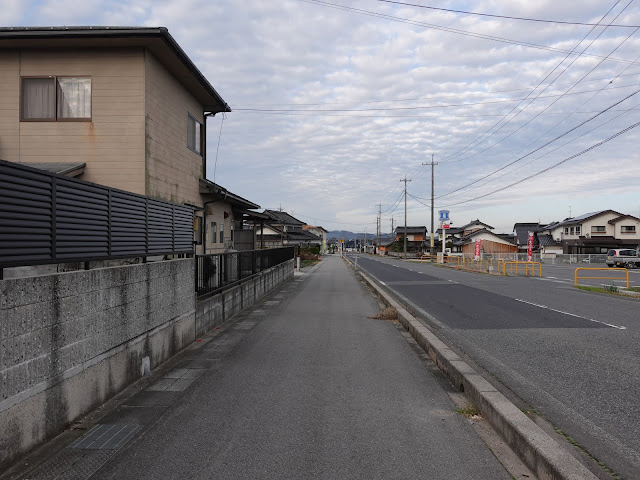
{"x":575,"y":275}
{"x":527,"y":265}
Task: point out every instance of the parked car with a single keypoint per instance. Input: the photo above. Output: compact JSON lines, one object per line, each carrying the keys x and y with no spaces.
{"x":623,"y":257}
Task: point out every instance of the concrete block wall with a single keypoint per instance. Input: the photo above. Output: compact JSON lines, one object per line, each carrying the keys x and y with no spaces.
{"x":70,"y":341}
{"x":215,"y":310}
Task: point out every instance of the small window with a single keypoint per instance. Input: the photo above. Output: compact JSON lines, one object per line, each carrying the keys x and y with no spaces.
{"x":194,"y":135}
{"x":566,"y":230}
{"x":598,"y":229}
{"x":578,"y":230}
{"x":214,"y":232}
{"x":222,"y":233}
{"x":572,"y":231}
{"x":628,"y":228}
{"x":231,"y":232}
{"x":51,"y":99}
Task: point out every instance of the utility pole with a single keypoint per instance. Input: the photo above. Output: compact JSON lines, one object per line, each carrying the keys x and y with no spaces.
{"x":405,"y":214}
{"x":392,"y":236}
{"x":433,"y":164}
{"x":379,"y":225}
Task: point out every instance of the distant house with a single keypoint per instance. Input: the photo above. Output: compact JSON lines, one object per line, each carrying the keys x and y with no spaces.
{"x":123,"y":107}
{"x":491,"y":243}
{"x":281,"y":229}
{"x":543,"y":241}
{"x":320,"y":232}
{"x":416,"y":237}
{"x":597,"y":232}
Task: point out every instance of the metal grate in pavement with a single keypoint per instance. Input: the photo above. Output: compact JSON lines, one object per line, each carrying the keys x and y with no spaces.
{"x":70,"y":464}
{"x":106,"y":437}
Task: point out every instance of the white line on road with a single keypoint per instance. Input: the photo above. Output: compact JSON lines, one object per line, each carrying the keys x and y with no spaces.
{"x":571,"y":314}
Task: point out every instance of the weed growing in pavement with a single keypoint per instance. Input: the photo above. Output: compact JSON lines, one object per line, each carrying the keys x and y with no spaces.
{"x":389,"y":314}
{"x":611,"y":288}
{"x":469,"y":412}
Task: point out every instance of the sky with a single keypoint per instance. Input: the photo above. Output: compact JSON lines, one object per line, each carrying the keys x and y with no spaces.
{"x":335,"y":103}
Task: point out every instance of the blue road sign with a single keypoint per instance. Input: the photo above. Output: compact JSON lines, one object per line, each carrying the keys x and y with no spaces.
{"x":444,"y":215}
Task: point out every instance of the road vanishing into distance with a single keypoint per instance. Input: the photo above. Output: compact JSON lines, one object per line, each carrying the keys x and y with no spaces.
{"x":571,"y":355}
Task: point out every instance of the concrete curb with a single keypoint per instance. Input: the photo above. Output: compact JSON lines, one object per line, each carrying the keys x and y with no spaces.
{"x":539,"y":451}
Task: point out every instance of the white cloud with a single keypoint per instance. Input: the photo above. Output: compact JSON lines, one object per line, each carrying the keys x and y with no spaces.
{"x":336,"y":166}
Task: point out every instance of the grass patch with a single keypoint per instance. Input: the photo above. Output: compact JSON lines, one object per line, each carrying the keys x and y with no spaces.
{"x":610,"y":289}
{"x":390,"y":314}
{"x":308,"y":263}
{"x":469,"y":412}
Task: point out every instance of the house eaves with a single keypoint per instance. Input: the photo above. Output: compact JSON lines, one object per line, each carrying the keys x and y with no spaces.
{"x":222,"y":194}
{"x":156,"y":39}
{"x":623,"y":217}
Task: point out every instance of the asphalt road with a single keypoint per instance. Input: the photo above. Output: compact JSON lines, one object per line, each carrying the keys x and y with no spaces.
{"x":306,"y":386}
{"x":572,"y":355}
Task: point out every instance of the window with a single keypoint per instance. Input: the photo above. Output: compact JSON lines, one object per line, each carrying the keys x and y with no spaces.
{"x":598,"y":229}
{"x":572,"y":231}
{"x":222,"y":233}
{"x":232,"y":232}
{"x":214,"y":232}
{"x":628,"y":229}
{"x":194,"y":135}
{"x":197,"y":230}
{"x":578,"y":230}
{"x":55,"y":98}
{"x":566,"y":230}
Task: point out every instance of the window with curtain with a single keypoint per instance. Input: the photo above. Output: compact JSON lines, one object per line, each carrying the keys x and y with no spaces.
{"x":38,"y":99}
{"x":51,"y":98}
{"x":74,"y":97}
{"x":194,"y":134}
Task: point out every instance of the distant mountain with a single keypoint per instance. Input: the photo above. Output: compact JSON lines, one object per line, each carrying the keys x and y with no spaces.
{"x":347,"y":235}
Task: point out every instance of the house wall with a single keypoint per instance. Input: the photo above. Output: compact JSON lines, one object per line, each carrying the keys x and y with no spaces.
{"x":111,"y":144}
{"x":627,"y":236}
{"x":70,"y":341}
{"x":172,"y":170}
{"x":215,"y":213}
{"x":490,"y":244}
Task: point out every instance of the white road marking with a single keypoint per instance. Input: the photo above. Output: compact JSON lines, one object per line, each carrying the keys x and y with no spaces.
{"x":571,"y":314}
{"x":382,"y":283}
{"x":453,"y":282}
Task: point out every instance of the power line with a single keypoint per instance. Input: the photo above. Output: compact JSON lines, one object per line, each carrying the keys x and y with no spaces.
{"x":449,"y":29}
{"x":429,"y":107}
{"x":505,"y":122}
{"x":586,"y":150}
{"x":542,"y":146}
{"x":500,"y":16}
{"x":555,"y":149}
{"x":511,"y":90}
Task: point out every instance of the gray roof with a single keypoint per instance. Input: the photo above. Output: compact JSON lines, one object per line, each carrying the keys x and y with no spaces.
{"x":411,"y":229}
{"x":546,"y":240}
{"x":61,"y":168}
{"x":475,"y":222}
{"x":220,"y":193}
{"x":522,"y":231}
{"x":156,"y":39}
{"x":283,"y":218}
{"x":584,"y":216}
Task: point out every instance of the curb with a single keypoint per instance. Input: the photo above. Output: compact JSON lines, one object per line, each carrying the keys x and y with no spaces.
{"x":539,"y":451}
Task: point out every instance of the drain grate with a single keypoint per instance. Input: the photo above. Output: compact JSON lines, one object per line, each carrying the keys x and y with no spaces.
{"x":106,"y":437}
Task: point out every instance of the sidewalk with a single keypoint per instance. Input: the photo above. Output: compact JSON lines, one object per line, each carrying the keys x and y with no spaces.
{"x":303,"y":385}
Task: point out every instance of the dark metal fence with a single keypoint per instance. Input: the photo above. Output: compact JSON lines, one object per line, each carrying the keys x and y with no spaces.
{"x":48,"y":218}
{"x":217,"y":271}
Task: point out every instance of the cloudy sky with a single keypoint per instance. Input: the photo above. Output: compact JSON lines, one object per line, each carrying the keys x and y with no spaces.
{"x":335,"y":102}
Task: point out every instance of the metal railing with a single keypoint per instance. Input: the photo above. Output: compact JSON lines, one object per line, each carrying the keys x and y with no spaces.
{"x":216,"y":272}
{"x":626,"y":279}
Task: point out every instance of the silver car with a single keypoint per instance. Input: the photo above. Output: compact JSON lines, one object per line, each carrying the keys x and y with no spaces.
{"x":623,"y":257}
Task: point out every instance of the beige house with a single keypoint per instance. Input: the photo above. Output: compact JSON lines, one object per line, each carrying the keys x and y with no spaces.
{"x":596,"y":232}
{"x":122,"y":107}
{"x":320,"y":232}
